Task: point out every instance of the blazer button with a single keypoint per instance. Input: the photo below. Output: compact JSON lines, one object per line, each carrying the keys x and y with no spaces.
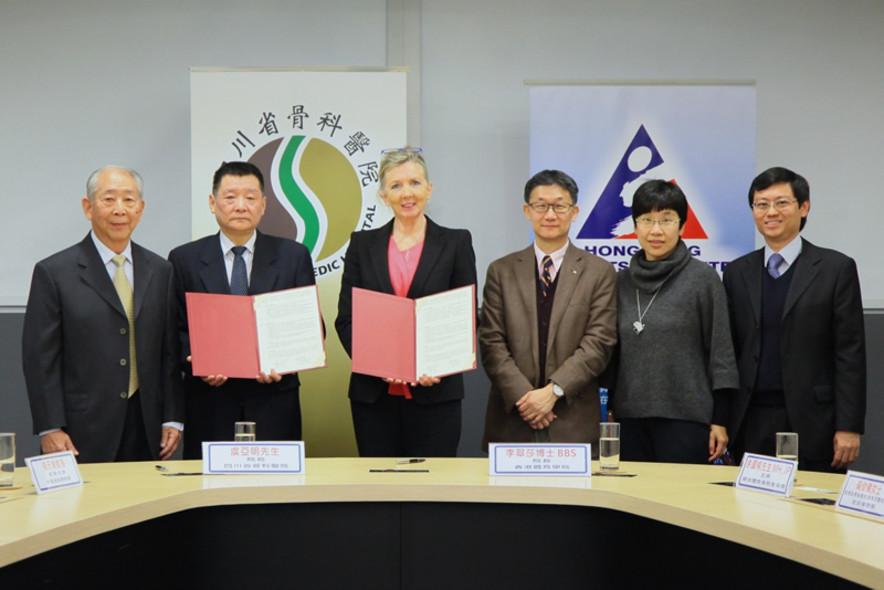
{"x":122,"y":362}
{"x":124,"y":395}
{"x":122,"y":330}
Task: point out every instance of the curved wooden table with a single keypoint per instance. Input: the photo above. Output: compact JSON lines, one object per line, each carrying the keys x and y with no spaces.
{"x":447,"y":528}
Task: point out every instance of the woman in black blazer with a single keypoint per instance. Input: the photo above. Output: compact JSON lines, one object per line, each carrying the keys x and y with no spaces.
{"x":411,"y":256}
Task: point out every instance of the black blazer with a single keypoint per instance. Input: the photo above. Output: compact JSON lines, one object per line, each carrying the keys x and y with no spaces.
{"x":75,"y":336}
{"x":823,"y":344}
{"x":447,"y":262}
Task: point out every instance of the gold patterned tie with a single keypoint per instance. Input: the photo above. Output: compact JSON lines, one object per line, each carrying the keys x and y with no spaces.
{"x":124,"y":290}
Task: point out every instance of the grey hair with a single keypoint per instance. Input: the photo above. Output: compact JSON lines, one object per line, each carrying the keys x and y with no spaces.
{"x":92,"y":181}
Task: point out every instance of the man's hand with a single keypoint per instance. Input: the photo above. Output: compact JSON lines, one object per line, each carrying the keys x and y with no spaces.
{"x":535,"y":407}
{"x":54,"y":442}
{"x":169,"y":442}
{"x":846,"y":449}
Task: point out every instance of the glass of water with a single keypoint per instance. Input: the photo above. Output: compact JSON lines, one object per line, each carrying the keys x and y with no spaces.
{"x":244,"y":432}
{"x":7,"y":459}
{"x":609,"y":446}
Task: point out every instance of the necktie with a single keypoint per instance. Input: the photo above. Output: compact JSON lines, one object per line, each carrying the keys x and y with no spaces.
{"x":773,"y":265}
{"x":545,"y":277}
{"x":124,"y":291}
{"x":239,"y":280}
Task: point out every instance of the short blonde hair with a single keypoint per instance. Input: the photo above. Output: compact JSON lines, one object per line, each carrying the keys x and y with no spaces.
{"x":396,"y":157}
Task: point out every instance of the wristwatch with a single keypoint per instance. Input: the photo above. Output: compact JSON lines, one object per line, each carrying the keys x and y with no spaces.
{"x":558,"y":390}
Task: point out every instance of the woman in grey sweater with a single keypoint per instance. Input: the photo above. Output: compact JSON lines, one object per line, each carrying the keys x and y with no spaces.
{"x":676,"y":366}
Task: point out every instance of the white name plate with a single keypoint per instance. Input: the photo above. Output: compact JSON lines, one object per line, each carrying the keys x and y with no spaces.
{"x":55,"y":471}
{"x":862,"y":493}
{"x":253,"y":457}
{"x":539,"y":459}
{"x":761,"y":473}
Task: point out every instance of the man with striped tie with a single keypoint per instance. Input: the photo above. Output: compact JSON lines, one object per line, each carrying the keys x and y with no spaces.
{"x":547,"y":327}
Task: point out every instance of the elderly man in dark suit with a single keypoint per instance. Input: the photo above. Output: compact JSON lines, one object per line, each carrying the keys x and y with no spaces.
{"x":797,"y":324}
{"x":548,"y":327}
{"x":99,"y":346}
{"x":239,"y":260}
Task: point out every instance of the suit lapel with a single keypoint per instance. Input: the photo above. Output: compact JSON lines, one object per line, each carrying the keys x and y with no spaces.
{"x":429,"y":254}
{"x":751,"y":275}
{"x":806,"y":270}
{"x":264,"y":271}
{"x":143,"y":272}
{"x":377,"y":251}
{"x":213,"y":274}
{"x":566,"y":282}
{"x":94,"y":273}
{"x":525,"y":273}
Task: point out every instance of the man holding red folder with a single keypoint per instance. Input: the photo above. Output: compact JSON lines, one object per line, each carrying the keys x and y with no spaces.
{"x":239,"y":260}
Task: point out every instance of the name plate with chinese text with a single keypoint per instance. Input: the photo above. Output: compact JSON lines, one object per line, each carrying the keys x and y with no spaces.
{"x":539,"y":459}
{"x":761,"y":473}
{"x":253,"y":457}
{"x":55,"y":471}
{"x":863,"y":494}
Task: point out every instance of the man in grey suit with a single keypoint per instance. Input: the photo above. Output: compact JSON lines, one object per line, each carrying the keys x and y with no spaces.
{"x":99,"y":345}
{"x":548,"y":326}
{"x":797,"y":324}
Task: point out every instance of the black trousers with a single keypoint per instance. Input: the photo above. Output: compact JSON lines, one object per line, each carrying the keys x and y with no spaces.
{"x":663,"y":440}
{"x":133,"y":444}
{"x":397,"y":427}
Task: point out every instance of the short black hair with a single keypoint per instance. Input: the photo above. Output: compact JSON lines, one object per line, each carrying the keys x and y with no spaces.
{"x":660,"y":195}
{"x":236,"y":169}
{"x":551,"y":177}
{"x":776,"y":175}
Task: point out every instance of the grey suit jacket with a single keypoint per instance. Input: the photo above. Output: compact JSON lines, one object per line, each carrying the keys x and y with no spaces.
{"x":822,"y":349}
{"x":75,"y":349}
{"x":582,"y":335}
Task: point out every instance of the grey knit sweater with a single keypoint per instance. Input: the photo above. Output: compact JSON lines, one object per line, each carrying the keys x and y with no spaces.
{"x":684,"y":352}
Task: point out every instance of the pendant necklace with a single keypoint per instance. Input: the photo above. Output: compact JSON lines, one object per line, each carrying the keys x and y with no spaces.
{"x":637,"y":326}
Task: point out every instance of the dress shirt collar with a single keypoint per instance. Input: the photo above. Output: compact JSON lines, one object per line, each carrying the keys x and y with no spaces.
{"x":557,"y":257}
{"x":789,"y":253}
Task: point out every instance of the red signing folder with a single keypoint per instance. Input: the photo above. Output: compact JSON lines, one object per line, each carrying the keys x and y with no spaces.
{"x":401,"y":338}
{"x":239,"y":336}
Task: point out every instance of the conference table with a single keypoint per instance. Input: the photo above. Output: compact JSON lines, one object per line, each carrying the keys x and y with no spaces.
{"x":339,"y":525}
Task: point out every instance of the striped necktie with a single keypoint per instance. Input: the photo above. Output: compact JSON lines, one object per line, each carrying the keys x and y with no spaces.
{"x":545,"y":277}
{"x":239,"y":280}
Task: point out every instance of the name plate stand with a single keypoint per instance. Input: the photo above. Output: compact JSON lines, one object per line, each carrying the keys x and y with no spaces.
{"x":761,"y":473}
{"x":55,"y":471}
{"x":265,"y":457}
{"x":539,"y":459}
{"x":862,"y":494}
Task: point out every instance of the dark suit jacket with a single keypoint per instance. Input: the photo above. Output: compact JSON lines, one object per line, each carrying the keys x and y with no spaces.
{"x":823,"y":345}
{"x":582,"y":335}
{"x":75,"y":337}
{"x":211,"y":411}
{"x":447,"y":262}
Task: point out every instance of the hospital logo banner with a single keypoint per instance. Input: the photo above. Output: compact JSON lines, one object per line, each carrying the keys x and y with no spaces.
{"x":613,"y":137}
{"x":315,"y":135}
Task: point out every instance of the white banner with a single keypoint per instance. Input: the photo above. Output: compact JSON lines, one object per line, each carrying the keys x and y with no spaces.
{"x":611,"y":138}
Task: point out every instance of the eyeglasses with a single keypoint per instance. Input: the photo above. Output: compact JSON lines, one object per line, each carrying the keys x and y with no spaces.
{"x":779,"y":204}
{"x":414,"y":150}
{"x":559,"y":208}
{"x":666,"y":222}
